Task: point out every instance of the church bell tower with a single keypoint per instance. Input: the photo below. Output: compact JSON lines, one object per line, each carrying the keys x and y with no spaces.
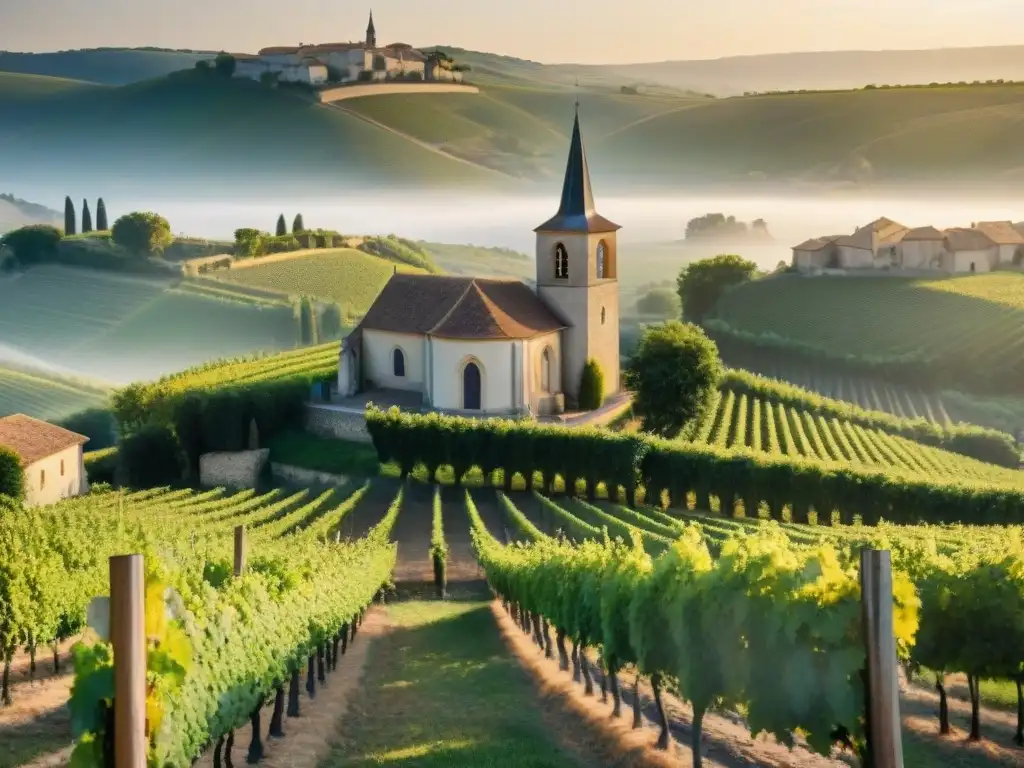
{"x":371,"y":34}
{"x":577,"y":275}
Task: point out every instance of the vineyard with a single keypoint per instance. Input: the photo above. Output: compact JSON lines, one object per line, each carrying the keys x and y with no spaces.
{"x":727,"y":611}
{"x":44,"y":396}
{"x":961,"y":333}
{"x":346,"y":276}
{"x":220,"y":647}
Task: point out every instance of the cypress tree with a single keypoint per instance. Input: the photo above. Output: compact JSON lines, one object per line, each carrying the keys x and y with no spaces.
{"x":101,"y":216}
{"x":307,"y":322}
{"x":298,"y":225}
{"x":282,"y":227}
{"x":69,"y":216}
{"x":86,"y":217}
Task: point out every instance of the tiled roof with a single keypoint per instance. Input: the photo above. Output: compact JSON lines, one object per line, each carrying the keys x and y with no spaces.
{"x":923,"y":233}
{"x":1000,"y":232}
{"x":33,"y":439}
{"x":815,"y":243}
{"x":279,"y":50}
{"x":460,"y":308}
{"x":962,"y":239}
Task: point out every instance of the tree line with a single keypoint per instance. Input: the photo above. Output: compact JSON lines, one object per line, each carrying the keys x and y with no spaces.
{"x":70,"y":222}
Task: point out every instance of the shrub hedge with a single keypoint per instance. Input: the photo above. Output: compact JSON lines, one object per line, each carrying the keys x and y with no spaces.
{"x":12,"y":476}
{"x":670,"y":470}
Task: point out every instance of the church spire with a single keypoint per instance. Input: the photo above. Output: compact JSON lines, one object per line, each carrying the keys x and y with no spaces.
{"x":371,"y":33}
{"x":576,"y":212}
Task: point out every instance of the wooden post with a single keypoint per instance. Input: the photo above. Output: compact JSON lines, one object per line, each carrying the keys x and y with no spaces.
{"x":884,"y":739}
{"x":239,"y":549}
{"x":128,"y":636}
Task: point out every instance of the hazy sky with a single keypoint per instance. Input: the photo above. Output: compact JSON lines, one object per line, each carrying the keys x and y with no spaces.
{"x":543,"y":30}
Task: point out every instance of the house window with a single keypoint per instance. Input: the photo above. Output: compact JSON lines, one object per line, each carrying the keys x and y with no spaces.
{"x":561,"y":262}
{"x":62,"y":467}
{"x":600,"y":260}
{"x":42,"y":479}
{"x":398,"y":359}
{"x":545,"y":370}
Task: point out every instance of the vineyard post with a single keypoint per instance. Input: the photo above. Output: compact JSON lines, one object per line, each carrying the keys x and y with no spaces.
{"x":884,"y":739}
{"x":128,"y":637}
{"x":240,"y":550}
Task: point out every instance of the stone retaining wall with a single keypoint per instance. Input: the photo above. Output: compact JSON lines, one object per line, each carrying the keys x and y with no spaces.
{"x":286,"y":473}
{"x":240,"y":469}
{"x":341,"y":423}
{"x":343,"y":92}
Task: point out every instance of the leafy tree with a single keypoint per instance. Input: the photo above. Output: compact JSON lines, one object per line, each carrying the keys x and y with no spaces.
{"x":591,"y":386}
{"x":331,"y":322}
{"x":701,"y":283}
{"x":673,"y":374}
{"x":34,"y":243}
{"x":101,"y":216}
{"x":95,"y":423}
{"x":307,"y":322}
{"x":225,"y":64}
{"x":86,"y":217}
{"x":659,"y":302}
{"x":12,"y":476}
{"x":298,"y":226}
{"x":282,"y":227}
{"x":69,"y":216}
{"x":150,"y":457}
{"x":143,"y":233}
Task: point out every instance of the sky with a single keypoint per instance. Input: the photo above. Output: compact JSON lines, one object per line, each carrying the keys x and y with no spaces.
{"x":549,"y":31}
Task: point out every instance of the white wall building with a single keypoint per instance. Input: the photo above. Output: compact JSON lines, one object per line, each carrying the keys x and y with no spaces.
{"x":494,"y":346}
{"x":51,"y":458}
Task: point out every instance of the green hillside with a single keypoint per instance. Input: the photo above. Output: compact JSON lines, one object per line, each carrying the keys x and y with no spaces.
{"x":118,"y":328}
{"x":964,"y":333}
{"x":106,"y":66}
{"x":44,"y":395}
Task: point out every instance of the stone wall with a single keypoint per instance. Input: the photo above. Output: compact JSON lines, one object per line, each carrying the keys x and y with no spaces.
{"x":239,"y":469}
{"x":289,"y":475}
{"x":337,"y":422}
{"x":360,"y":90}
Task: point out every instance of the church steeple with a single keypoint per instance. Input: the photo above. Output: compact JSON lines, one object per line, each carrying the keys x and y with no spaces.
{"x":576,"y":212}
{"x":371,"y":34}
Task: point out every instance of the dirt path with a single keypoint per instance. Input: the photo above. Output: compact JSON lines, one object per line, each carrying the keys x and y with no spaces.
{"x":530,"y":506}
{"x":370,"y":509}
{"x":462,"y":564}
{"x":487,"y":504}
{"x":308,"y":739}
{"x":412,"y":533}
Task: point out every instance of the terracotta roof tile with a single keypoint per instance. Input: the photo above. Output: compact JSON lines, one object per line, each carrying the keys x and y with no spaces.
{"x":923,"y":233}
{"x":816,"y":243}
{"x":460,"y":308}
{"x":1000,"y":232}
{"x":33,"y":439}
{"x":962,"y":239}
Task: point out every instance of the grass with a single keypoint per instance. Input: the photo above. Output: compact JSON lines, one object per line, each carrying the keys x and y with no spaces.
{"x":119,"y":329}
{"x":322,"y":454}
{"x":433,"y":699}
{"x":476,"y":260}
{"x":971,"y":326}
{"x":105,"y":67}
{"x":350,"y":277}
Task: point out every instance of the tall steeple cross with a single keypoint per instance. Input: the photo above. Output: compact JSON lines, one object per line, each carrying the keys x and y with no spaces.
{"x":577,"y":97}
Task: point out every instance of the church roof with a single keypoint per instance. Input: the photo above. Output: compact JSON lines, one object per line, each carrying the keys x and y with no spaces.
{"x":460,"y":308}
{"x":576,"y":213}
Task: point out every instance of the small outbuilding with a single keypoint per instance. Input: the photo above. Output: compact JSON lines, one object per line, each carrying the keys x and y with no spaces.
{"x":51,"y":458}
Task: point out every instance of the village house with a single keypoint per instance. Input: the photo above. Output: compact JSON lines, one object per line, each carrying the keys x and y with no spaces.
{"x":491,"y":346}
{"x":888,"y":245}
{"x":51,"y":458}
{"x":338,"y":62}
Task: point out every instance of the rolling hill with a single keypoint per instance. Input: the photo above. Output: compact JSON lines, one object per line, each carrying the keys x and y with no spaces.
{"x":15,"y":212}
{"x":104,"y":66}
{"x":244,"y":139}
{"x":46,"y":395}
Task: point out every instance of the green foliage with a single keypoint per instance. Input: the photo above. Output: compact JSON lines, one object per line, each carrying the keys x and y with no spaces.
{"x":591,"y":386}
{"x":674,"y":374}
{"x":70,"y":221}
{"x":307,"y":322}
{"x":86,"y":217}
{"x":34,"y":243}
{"x":438,"y":545}
{"x":400,"y":250}
{"x":224,"y":64}
{"x":101,"y":215}
{"x":282,"y":228}
{"x":12,"y":476}
{"x":142,"y":233}
{"x":323,"y":454}
{"x":149,"y":457}
{"x":101,"y":466}
{"x":331,"y":321}
{"x":658,"y":302}
{"x":298,"y":225}
{"x":701,"y":283}
{"x":95,"y":423}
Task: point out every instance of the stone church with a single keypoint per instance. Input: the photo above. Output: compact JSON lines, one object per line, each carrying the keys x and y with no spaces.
{"x":496,"y":346}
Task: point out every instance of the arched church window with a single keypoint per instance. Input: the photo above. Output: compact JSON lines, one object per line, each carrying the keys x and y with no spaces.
{"x":561,"y":262}
{"x":600,"y":260}
{"x":398,"y":360}
{"x":545,"y":370}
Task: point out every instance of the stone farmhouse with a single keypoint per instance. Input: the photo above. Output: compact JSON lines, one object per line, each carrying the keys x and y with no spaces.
{"x":888,"y":245}
{"x":490,"y":346}
{"x":342,"y":62}
{"x":51,"y":458}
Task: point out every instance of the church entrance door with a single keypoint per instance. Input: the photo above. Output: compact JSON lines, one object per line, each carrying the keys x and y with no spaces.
{"x":471,"y":387}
